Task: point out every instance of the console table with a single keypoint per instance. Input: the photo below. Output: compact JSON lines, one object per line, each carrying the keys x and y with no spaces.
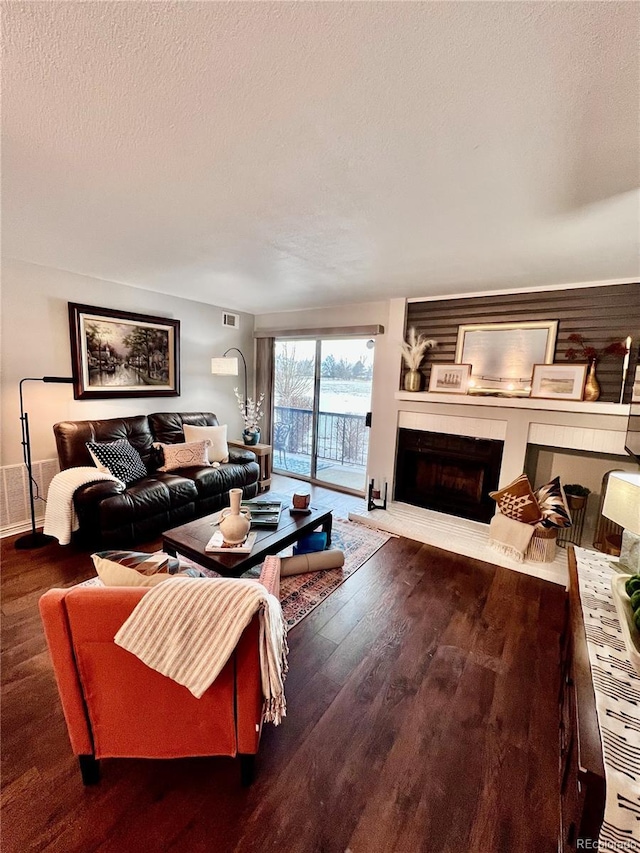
{"x":263,"y":452}
{"x":600,"y":715}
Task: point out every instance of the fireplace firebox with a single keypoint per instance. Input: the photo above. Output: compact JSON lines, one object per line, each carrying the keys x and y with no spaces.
{"x":448,"y":473}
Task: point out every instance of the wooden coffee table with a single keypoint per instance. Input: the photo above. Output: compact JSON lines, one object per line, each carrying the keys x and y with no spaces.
{"x":190,"y":539}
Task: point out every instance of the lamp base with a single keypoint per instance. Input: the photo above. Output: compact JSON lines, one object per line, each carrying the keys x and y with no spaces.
{"x":630,"y":552}
{"x":33,"y":540}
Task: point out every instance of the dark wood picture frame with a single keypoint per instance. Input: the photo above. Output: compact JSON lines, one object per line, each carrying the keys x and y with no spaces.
{"x":122,"y":354}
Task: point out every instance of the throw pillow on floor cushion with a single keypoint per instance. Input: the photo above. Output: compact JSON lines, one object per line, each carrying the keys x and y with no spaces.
{"x":517,"y":501}
{"x":187,"y":455}
{"x":134,"y":568}
{"x":119,"y":458}
{"x":217,"y":435}
{"x":553,"y":505}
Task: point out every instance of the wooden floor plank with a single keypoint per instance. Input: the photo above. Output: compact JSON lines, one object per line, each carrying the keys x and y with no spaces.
{"x":423,"y":716}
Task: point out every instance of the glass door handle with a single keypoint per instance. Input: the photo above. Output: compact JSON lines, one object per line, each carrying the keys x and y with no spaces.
{"x":367,"y":419}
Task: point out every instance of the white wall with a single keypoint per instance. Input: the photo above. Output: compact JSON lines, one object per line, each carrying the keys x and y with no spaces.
{"x":35,"y":342}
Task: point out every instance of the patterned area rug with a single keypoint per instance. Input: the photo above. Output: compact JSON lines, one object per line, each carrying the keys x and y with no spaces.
{"x":300,"y":594}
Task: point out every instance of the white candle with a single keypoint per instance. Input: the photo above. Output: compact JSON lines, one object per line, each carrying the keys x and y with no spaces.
{"x":625,"y":363}
{"x":625,"y":366}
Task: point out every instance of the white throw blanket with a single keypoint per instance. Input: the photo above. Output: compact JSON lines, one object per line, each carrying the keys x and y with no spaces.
{"x":187,"y":629}
{"x":509,"y":536}
{"x":60,"y":519}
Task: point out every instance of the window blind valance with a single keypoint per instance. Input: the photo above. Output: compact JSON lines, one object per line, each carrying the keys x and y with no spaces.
{"x":329,"y":332}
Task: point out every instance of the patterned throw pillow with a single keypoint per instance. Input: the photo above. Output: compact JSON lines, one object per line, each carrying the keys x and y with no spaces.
{"x":119,"y":458}
{"x":217,"y":435}
{"x":553,"y":505}
{"x":186,"y":455}
{"x":134,"y":568}
{"x":517,"y":501}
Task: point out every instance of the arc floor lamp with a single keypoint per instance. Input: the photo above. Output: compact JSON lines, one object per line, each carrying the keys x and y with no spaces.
{"x":33,"y":539}
{"x":228,"y":366}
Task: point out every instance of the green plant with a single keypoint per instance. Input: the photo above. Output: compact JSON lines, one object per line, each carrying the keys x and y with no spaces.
{"x":577,"y":490}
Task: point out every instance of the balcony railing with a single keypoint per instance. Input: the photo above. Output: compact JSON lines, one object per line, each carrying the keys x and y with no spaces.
{"x":341,"y":438}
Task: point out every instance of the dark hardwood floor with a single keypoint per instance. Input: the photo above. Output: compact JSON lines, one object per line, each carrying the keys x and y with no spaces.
{"x":423,"y":716}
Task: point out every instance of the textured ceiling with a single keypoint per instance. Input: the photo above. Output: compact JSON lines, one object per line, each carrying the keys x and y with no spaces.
{"x":265,"y":156}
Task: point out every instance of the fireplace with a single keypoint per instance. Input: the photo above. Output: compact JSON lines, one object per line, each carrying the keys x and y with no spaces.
{"x":448,"y":473}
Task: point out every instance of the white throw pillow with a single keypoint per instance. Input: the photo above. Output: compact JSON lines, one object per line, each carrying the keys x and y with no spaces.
{"x":217,"y":435}
{"x":135,"y":568}
{"x":114,"y":573}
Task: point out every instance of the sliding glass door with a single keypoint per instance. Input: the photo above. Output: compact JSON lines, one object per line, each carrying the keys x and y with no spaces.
{"x":322,"y":394}
{"x":293,"y":397}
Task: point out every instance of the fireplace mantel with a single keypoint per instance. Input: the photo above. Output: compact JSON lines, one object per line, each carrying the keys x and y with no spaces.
{"x":578,"y":406}
{"x":567,"y":428}
{"x":518,"y":421}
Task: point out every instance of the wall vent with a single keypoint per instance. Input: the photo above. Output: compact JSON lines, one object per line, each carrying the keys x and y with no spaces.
{"x":15,"y":515}
{"x":230,"y":320}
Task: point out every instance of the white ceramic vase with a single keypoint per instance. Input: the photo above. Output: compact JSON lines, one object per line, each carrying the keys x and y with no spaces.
{"x":235,"y":522}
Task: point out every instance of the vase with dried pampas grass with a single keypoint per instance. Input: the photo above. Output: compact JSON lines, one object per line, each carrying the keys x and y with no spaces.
{"x":413,"y":352}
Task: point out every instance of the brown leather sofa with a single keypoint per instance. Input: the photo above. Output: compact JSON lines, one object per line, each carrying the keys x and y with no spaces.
{"x":115,"y":515}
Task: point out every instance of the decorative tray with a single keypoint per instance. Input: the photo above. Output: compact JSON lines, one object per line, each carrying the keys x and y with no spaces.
{"x":629,"y":631}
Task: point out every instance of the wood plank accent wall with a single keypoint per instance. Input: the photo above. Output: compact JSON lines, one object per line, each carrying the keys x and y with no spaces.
{"x":602,"y":314}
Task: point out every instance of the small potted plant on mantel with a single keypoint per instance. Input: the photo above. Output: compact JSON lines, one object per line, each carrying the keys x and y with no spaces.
{"x":576,"y":495}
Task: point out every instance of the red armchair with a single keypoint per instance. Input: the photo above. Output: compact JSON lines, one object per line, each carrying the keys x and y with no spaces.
{"x":116,"y":706}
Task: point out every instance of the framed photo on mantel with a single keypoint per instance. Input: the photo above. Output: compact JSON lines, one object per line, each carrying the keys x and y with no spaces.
{"x":121,"y":354}
{"x":502,"y":355}
{"x":558,"y":381}
{"x":449,"y":378}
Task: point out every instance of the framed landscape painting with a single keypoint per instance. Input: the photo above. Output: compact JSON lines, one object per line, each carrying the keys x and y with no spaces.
{"x":121,"y":354}
{"x":558,"y":381}
{"x":502,"y":355}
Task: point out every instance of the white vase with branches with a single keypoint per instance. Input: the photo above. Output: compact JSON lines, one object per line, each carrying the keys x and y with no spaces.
{"x":252,"y":413}
{"x":413,"y":352}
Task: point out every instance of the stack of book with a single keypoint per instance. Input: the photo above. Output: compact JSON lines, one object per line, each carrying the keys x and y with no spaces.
{"x":217,"y":545}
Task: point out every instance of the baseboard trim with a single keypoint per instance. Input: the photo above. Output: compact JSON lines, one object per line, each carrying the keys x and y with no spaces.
{"x":22,"y":527}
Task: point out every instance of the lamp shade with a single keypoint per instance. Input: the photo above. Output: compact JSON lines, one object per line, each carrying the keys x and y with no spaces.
{"x":224,"y":366}
{"x":622,"y":500}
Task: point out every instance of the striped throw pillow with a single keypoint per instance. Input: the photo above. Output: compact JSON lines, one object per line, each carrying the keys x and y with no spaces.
{"x":135,"y":568}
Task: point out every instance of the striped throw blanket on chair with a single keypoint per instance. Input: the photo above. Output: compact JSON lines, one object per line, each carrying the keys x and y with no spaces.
{"x":187,"y":629}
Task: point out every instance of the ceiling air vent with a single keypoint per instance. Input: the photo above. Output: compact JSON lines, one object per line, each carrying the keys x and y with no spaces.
{"x":231,"y":320}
